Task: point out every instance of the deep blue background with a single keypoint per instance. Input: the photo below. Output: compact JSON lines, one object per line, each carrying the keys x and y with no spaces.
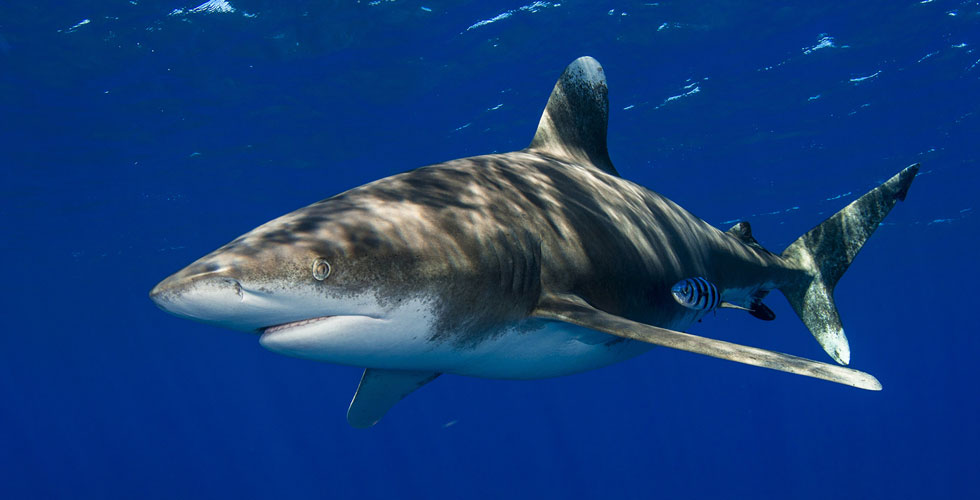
{"x":135,"y":143}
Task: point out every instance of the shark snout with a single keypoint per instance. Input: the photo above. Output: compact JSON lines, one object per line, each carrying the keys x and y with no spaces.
{"x":175,"y":287}
{"x":224,"y":297}
{"x":208,"y":297}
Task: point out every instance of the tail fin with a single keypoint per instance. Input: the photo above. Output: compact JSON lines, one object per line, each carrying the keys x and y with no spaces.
{"x":825,"y":253}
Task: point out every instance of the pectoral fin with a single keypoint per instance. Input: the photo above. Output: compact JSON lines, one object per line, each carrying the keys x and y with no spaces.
{"x":380,"y":390}
{"x":573,"y":309}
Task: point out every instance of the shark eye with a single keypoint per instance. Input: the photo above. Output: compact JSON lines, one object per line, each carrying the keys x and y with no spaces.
{"x":321,"y":269}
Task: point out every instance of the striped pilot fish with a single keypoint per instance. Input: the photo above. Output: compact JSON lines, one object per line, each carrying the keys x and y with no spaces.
{"x":702,"y":295}
{"x":696,"y":293}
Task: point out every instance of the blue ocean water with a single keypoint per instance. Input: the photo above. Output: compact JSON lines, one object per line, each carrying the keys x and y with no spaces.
{"x":139,"y":135}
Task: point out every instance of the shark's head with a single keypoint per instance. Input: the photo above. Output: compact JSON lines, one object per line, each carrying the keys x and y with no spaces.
{"x":304,"y":279}
{"x":359,"y":266}
{"x":252,"y":284}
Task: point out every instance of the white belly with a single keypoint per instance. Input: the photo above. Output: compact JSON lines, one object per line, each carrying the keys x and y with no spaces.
{"x":552,"y":350}
{"x":403,"y":341}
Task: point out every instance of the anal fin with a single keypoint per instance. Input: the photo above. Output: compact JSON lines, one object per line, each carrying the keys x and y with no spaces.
{"x":379,"y":390}
{"x":573,"y":309}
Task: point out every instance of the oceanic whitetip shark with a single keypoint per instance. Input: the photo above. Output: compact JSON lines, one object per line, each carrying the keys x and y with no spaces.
{"x":535,"y":263}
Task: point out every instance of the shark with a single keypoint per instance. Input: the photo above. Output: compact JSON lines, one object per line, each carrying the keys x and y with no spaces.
{"x":530,"y":264}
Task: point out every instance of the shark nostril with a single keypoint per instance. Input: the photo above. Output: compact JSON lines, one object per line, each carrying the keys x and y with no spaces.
{"x":235,"y":285}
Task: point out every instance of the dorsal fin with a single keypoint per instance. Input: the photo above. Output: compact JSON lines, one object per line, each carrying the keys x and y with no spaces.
{"x":742,"y":231}
{"x":573,"y":125}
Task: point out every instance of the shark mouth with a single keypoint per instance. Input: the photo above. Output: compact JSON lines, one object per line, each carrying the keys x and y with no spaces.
{"x":293,"y":324}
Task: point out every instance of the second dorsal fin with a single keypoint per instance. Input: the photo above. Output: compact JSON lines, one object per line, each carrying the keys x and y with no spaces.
{"x":573,"y":125}
{"x":742,"y":231}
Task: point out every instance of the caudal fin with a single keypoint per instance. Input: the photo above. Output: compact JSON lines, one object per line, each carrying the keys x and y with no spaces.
{"x":825,"y":253}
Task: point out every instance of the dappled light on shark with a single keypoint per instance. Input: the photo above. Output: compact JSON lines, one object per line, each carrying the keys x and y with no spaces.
{"x":535,"y":263}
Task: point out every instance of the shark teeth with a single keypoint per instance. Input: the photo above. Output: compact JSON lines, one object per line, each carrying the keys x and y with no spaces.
{"x":294,"y":324}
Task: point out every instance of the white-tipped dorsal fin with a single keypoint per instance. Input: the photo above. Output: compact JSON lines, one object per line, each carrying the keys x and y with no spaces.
{"x":573,"y":125}
{"x":380,"y":390}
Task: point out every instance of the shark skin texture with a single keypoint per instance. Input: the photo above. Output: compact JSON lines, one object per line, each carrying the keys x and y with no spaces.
{"x":535,"y":263}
